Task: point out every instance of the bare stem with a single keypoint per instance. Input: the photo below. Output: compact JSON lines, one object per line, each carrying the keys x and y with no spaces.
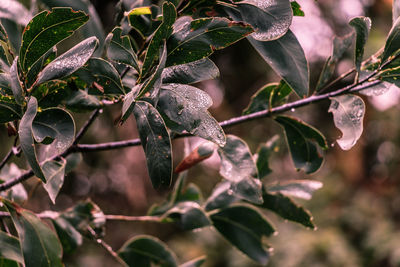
{"x":86,"y":126}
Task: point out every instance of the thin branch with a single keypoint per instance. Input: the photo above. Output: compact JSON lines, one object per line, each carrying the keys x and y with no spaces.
{"x":86,"y":126}
{"x":132,"y":218}
{"x":6,"y":158}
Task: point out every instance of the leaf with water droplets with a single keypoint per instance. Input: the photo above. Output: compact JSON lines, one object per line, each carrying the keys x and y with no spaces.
{"x":193,"y":72}
{"x":238,"y":167}
{"x":15,"y":82}
{"x":15,"y":11}
{"x":389,"y":81}
{"x":54,"y":126}
{"x":270,"y":19}
{"x":146,"y":250}
{"x":243,"y":226}
{"x":392,"y":42}
{"x":47,"y":29}
{"x":196,"y":39}
{"x":119,"y":49}
{"x":156,"y":143}
{"x":348,"y":114}
{"x":287,"y":209}
{"x":54,"y":172}
{"x":68,"y":62}
{"x":303,"y":140}
{"x":184,"y":108}
{"x":362,"y":25}
{"x":296,"y":188}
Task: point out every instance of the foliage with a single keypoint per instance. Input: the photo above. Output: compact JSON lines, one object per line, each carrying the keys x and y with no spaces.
{"x":148,"y":66}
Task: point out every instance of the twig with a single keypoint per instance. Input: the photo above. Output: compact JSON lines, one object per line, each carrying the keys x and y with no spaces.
{"x":6,"y":158}
{"x":132,"y":218}
{"x":86,"y":126}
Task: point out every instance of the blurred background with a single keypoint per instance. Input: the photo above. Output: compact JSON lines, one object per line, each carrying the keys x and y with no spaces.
{"x":357,"y":212}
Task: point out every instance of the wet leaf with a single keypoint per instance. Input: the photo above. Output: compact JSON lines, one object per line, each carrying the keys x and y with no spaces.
{"x":238,"y":167}
{"x":47,"y":29}
{"x":389,"y":81}
{"x":15,"y":11}
{"x":54,"y":172}
{"x":156,"y":143}
{"x":147,"y":250}
{"x":16,"y":85}
{"x":244,"y":227}
{"x":193,"y":72}
{"x":221,"y":197}
{"x":81,"y":101}
{"x":189,"y":215}
{"x":184,"y":108}
{"x":196,"y":39}
{"x":68,"y":62}
{"x":120,"y":49}
{"x":348,"y":114}
{"x":10,"y":248}
{"x":303,"y":140}
{"x":296,"y":188}
{"x":263,"y":154}
{"x":35,"y":69}
{"x":69,"y":237}
{"x":362,"y":25}
{"x":392,"y":42}
{"x":40,"y":246}
{"x":287,"y":209}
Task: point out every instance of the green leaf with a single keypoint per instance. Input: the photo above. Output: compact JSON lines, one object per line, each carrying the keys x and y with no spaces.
{"x":161,"y":35}
{"x":52,"y":93}
{"x":270,"y":19}
{"x":392,"y":42}
{"x":120,"y":49}
{"x":296,"y":8}
{"x":156,"y":144}
{"x":9,"y":110}
{"x":81,"y":101}
{"x":69,"y":237}
{"x":268,"y":96}
{"x":263,"y":154}
{"x":193,"y":72}
{"x":40,"y":246}
{"x":238,"y":167}
{"x":348,"y":114}
{"x":54,"y":172}
{"x":15,"y":11}
{"x":287,"y":209}
{"x":244,"y":227}
{"x":189,"y":215}
{"x":286,"y":56}
{"x":47,"y":29}
{"x":194,"y":263}
{"x":144,"y":19}
{"x":362,"y":25}
{"x":35,"y":69}
{"x":143,"y":251}
{"x":296,"y":188}
{"x":196,"y":39}
{"x":302,"y":140}
{"x":8,"y":263}
{"x":17,"y":193}
{"x":185,"y":109}
{"x":16,"y":84}
{"x":101,"y":77}
{"x":55,"y":126}
{"x":222,"y":196}
{"x":10,"y":248}
{"x":340,"y":45}
{"x":26,"y":139}
{"x":68,"y":62}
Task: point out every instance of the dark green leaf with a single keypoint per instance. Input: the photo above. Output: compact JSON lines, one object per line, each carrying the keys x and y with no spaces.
{"x":287,"y":209}
{"x":238,"y":167}
{"x":142,"y":19}
{"x":120,"y":49}
{"x":56,"y":126}
{"x":161,"y":35}
{"x":17,"y":193}
{"x":194,"y":72}
{"x":393,"y":41}
{"x":68,"y":62}
{"x":189,"y":215}
{"x":185,"y":109}
{"x":303,"y":140}
{"x":340,"y":45}
{"x":156,"y":144}
{"x":81,"y":101}
{"x":362,"y":25}
{"x":196,"y":39}
{"x":26,"y":139}
{"x":69,"y":237}
{"x":15,"y":11}
{"x":47,"y":29}
{"x":129,"y":102}
{"x":101,"y":77}
{"x":14,"y":34}
{"x":10,"y":248}
{"x":142,"y":251}
{"x":54,"y":172}
{"x":9,"y":110}
{"x":8,"y":263}
{"x":296,"y":188}
{"x":194,"y":263}
{"x":222,"y":196}
{"x":296,"y":8}
{"x":16,"y":84}
{"x":270,"y":19}
{"x":244,"y":227}
{"x":286,"y":57}
{"x":35,"y":69}
{"x":263,"y":154}
{"x":40,"y":246}
{"x":348,"y":114}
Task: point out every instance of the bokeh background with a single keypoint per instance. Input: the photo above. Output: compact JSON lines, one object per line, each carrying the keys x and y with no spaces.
{"x":358,"y":209}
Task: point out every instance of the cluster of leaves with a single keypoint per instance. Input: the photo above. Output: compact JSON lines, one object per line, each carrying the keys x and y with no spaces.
{"x":150,"y":61}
